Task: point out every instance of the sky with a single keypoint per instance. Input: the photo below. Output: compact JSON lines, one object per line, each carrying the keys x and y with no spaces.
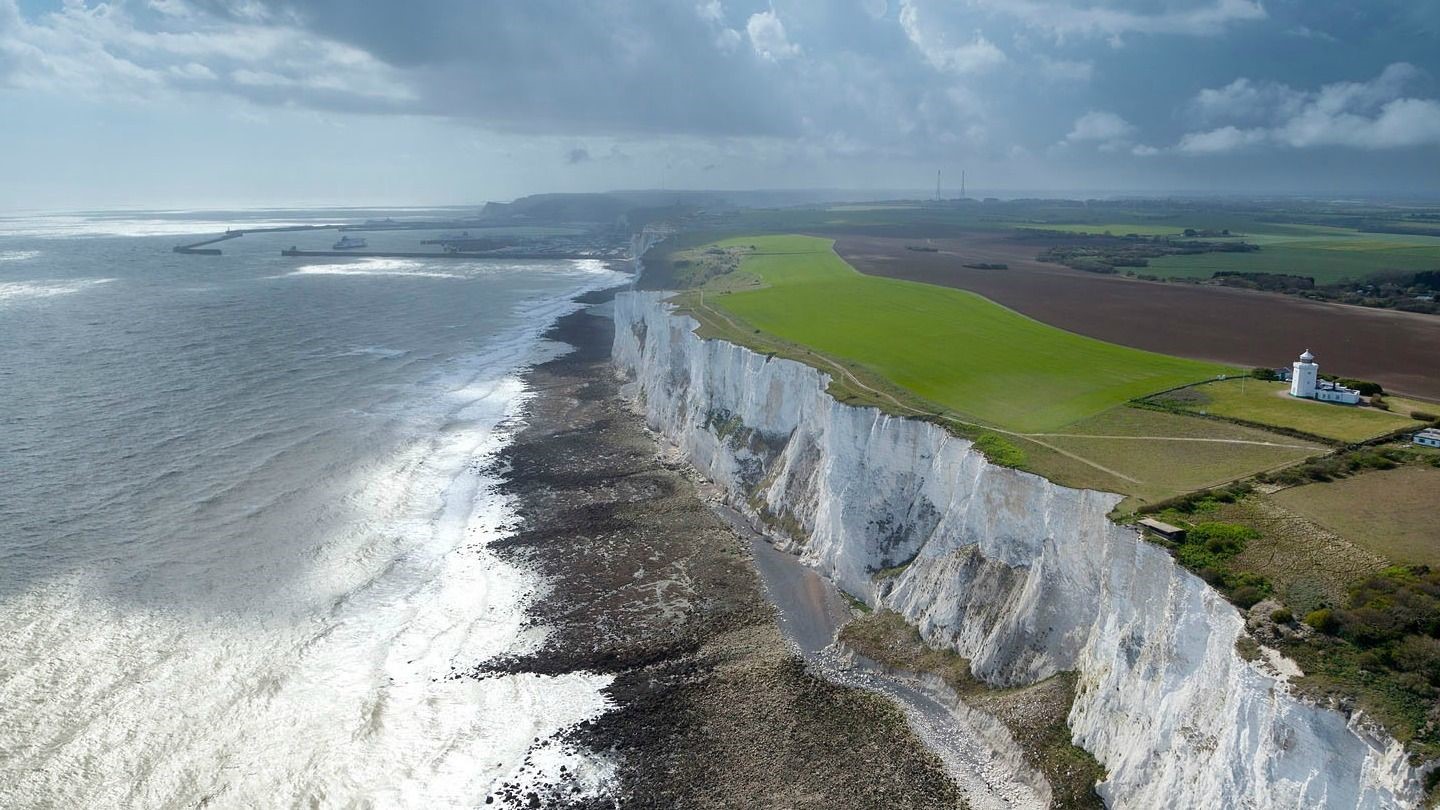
{"x":206,"y":103}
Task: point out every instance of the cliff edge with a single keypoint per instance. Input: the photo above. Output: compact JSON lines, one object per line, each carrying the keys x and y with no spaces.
{"x":1023,"y":577}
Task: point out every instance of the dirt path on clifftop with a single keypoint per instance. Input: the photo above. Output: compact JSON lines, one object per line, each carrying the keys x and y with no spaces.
{"x":712,"y":707}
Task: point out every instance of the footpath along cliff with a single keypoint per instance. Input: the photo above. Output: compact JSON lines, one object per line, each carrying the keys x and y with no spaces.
{"x":1023,"y":577}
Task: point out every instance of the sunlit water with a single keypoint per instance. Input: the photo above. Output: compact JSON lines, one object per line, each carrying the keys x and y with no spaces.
{"x":244,"y":509}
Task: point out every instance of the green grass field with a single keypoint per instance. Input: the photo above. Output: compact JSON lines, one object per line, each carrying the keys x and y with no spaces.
{"x":1327,"y":261}
{"x":1114,"y":229}
{"x":1170,"y":453}
{"x":952,"y":348}
{"x":1390,"y":512}
{"x":1326,"y":253}
{"x":1268,"y":403}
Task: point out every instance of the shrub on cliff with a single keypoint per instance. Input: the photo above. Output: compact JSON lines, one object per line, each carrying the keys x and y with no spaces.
{"x":1323,"y":620}
{"x":1247,"y":596}
{"x":1222,"y":539}
{"x":1000,"y":450}
{"x":1399,"y":602}
{"x":1420,"y":655}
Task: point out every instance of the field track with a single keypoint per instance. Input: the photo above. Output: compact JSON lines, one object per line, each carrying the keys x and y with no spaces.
{"x":1399,"y":350}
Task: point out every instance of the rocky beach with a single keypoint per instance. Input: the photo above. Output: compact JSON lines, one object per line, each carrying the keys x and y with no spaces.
{"x":712,"y":706}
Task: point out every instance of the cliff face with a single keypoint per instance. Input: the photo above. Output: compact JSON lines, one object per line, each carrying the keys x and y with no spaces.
{"x":1023,"y":577}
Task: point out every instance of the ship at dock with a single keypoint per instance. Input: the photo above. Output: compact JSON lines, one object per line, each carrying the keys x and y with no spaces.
{"x":349,"y":243}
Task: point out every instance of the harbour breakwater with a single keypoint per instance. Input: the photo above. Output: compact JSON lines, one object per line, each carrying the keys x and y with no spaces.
{"x":1021,"y":576}
{"x":199,"y":248}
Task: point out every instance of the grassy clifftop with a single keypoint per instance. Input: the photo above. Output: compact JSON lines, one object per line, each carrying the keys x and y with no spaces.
{"x":1033,"y":396}
{"x":950,"y":347}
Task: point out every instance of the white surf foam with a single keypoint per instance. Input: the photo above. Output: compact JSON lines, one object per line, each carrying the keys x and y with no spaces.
{"x":591,"y":266}
{"x":352,"y":689}
{"x":403,"y":268}
{"x":17,"y":255}
{"x":14,"y":291}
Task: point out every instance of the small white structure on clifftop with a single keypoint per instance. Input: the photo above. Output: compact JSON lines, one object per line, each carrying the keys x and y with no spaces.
{"x":1305,"y":383}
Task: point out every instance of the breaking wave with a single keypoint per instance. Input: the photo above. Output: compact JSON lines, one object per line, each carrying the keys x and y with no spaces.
{"x":404,"y":268}
{"x":12,"y":291}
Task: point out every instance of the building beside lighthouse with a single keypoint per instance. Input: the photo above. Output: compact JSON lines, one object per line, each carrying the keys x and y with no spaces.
{"x":1305,"y":383}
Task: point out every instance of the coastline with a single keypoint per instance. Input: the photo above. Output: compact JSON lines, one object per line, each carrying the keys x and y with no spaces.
{"x":1022,"y":578}
{"x":711,"y":704}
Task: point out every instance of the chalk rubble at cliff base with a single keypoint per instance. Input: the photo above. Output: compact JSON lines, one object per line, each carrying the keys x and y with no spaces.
{"x":1023,"y":577}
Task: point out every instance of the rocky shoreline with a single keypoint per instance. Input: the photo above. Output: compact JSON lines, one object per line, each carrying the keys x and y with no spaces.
{"x":713,"y":707}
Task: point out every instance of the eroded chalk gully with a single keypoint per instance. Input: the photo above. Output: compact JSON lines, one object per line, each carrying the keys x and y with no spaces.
{"x":991,"y":773}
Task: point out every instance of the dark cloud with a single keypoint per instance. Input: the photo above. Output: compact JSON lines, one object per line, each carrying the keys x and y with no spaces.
{"x":559,"y":66}
{"x":851,"y":86}
{"x":831,"y":73}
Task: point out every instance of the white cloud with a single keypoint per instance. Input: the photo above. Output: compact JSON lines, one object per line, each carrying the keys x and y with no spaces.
{"x":1062,"y":18}
{"x":172,"y":8}
{"x":192,"y":70}
{"x":728,"y":40}
{"x":1224,"y":139}
{"x":1358,"y":95}
{"x":1245,"y":100}
{"x":1107,"y":131}
{"x":101,"y":51}
{"x":711,"y":11}
{"x":973,"y":56}
{"x":1401,"y":123}
{"x":768,"y":38}
{"x":1361,"y":115}
{"x":1098,"y":125}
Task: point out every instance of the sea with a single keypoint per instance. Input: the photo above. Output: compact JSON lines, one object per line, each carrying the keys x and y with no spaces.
{"x":246,"y":503}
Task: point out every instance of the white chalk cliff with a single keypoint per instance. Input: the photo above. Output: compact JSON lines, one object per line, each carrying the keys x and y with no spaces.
{"x":1022,"y":576}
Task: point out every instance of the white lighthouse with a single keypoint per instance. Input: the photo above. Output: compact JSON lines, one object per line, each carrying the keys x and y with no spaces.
{"x":1306,"y":373}
{"x":1305,"y":383}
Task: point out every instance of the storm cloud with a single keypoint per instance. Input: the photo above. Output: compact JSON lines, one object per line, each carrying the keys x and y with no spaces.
{"x":1070,"y":89}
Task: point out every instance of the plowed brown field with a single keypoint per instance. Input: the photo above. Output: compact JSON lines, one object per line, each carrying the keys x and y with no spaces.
{"x":1399,"y":350}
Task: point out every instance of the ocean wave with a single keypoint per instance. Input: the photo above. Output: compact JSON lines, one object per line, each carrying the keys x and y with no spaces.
{"x":372,"y":351}
{"x":405,"y":268}
{"x":595,"y":266}
{"x":17,"y":255}
{"x":346,"y":686}
{"x":25,"y":290}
